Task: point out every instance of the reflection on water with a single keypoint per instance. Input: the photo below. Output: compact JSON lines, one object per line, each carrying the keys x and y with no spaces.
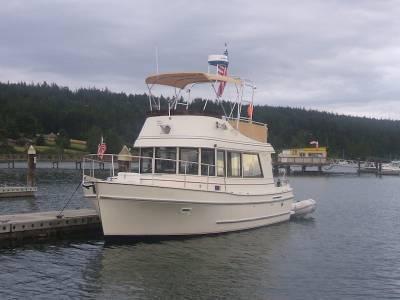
{"x":348,"y":250}
{"x":213,"y":267}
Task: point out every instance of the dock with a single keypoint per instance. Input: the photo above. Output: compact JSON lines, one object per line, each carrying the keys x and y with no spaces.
{"x":17,"y":191}
{"x":43,"y":225}
{"x":303,"y":162}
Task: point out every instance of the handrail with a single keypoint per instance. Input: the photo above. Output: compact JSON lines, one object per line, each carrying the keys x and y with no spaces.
{"x":87,"y":157}
{"x":248,"y":120}
{"x":109,"y":158}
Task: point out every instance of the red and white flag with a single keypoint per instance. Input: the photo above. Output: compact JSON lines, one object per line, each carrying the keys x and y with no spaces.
{"x":223,"y":71}
{"x":314,"y":143}
{"x":101,"y":149}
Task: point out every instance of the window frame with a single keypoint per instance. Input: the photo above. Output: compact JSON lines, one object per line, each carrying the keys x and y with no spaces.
{"x":259,"y":164}
{"x":161,"y":159}
{"x":229,"y":164}
{"x":213,"y":166}
{"x":216,"y":162}
{"x":150,"y":158}
{"x":194,"y":162}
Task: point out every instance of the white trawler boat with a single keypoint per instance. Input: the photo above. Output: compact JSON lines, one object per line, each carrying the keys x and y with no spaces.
{"x":391,"y":168}
{"x":194,"y":174}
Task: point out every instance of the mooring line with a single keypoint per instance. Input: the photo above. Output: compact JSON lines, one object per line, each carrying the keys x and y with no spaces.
{"x":60,"y":215}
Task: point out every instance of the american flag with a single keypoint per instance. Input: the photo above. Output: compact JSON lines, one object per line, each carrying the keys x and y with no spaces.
{"x":223,"y":71}
{"x":101,"y":149}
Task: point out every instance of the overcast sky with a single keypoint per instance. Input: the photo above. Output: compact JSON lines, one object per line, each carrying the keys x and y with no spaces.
{"x":339,"y":56}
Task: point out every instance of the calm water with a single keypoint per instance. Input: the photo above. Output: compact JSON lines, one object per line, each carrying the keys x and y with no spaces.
{"x":349,"y":250}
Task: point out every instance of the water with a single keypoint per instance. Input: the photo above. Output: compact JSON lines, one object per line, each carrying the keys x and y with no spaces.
{"x":55,"y":186}
{"x":349,"y":250}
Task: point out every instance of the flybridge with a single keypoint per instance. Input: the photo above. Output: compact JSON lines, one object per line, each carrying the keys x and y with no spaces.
{"x":184,"y":82}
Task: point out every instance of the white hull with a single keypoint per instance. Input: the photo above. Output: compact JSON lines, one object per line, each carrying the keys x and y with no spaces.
{"x":390,"y":172}
{"x":94,"y":203}
{"x":139,"y":210}
{"x":384,"y":171}
{"x":89,"y":192}
{"x":392,"y":168}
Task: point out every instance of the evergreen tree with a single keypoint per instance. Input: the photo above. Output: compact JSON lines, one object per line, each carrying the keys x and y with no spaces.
{"x":28,"y":110}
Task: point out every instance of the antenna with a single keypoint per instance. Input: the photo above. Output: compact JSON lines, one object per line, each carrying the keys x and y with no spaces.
{"x":157,"y":60}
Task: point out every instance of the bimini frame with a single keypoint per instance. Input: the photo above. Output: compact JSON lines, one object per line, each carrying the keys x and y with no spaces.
{"x":180,"y":81}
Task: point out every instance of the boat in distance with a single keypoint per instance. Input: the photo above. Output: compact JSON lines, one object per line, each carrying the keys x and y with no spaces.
{"x":390,"y":168}
{"x":192,"y":174}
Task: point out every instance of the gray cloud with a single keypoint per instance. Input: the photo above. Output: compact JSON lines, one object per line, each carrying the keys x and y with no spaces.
{"x":341,"y":56}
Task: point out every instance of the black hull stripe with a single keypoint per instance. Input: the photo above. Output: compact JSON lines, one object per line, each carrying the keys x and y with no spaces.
{"x":252,"y":219}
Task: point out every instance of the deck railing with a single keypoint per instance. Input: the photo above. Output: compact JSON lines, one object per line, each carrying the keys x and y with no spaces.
{"x":108,"y":166}
{"x":41,"y":157}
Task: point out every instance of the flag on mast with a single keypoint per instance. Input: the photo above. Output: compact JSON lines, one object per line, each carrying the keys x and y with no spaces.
{"x":101,"y":148}
{"x":222,"y":69}
{"x":314,"y":143}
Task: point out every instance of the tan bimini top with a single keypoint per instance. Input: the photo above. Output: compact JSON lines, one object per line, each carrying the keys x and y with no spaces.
{"x":180,"y":80}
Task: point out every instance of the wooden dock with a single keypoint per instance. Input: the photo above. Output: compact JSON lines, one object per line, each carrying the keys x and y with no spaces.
{"x":17,"y":191}
{"x":42,"y":225}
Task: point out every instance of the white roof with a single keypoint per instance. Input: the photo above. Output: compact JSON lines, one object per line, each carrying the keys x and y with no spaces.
{"x":196,"y":131}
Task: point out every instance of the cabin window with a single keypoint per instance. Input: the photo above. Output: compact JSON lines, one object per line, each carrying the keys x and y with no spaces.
{"x":234,"y":164}
{"x":207,"y":162}
{"x":251,"y":165}
{"x":188,"y":161}
{"x":165,"y":160}
{"x":220,"y":163}
{"x":135,"y":160}
{"x":146,"y":160}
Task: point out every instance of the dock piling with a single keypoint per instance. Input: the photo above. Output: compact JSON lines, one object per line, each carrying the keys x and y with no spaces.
{"x":288,"y":170}
{"x":30,"y":180}
{"x":11,"y":164}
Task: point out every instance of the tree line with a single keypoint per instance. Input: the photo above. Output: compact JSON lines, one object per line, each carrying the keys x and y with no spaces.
{"x":29,"y":110}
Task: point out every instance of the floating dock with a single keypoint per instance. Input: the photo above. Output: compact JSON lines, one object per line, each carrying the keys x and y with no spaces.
{"x":42,"y":225}
{"x":17,"y":191}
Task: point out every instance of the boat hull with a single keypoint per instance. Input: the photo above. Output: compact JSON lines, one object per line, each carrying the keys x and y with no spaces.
{"x":138,"y":210}
{"x":89,"y":192}
{"x":390,"y":172}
